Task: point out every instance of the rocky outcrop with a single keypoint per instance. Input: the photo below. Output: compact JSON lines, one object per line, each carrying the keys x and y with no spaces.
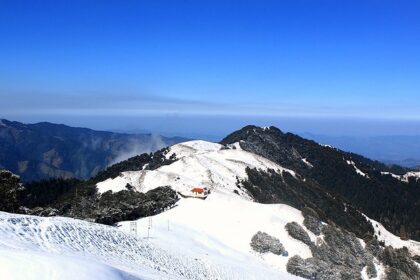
{"x":262,"y":242}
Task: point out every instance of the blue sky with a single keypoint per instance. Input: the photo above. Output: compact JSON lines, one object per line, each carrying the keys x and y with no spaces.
{"x":234,"y":62}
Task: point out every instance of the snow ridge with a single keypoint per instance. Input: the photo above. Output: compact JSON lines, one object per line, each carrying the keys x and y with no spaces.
{"x":199,"y":164}
{"x":406,"y":177}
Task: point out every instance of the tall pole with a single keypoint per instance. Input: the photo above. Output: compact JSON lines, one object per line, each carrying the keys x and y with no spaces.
{"x":149,"y":227}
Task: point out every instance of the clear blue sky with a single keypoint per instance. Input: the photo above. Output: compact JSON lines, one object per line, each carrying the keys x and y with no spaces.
{"x":147,"y":62}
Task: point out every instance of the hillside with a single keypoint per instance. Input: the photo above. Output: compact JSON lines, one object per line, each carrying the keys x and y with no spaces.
{"x":380,"y":191}
{"x":81,"y":250}
{"x":46,"y":150}
{"x":259,"y":205}
{"x":402,"y":150}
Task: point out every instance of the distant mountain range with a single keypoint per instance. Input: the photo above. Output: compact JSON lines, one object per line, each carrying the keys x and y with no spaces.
{"x":402,"y":150}
{"x":45,"y":150}
{"x":268,"y":197}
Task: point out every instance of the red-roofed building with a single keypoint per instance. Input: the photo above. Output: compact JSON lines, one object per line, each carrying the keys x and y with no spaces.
{"x":197,"y":190}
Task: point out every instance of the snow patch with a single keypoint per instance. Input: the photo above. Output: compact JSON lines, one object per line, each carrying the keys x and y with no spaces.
{"x":119,"y":183}
{"x":358,"y":171}
{"x":392,"y":240}
{"x":406,"y":177}
{"x":399,"y":177}
{"x":326,"y":145}
{"x":411,"y":174}
{"x":307,"y":162}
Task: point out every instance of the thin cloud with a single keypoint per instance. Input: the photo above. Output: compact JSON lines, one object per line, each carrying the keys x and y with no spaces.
{"x":132,"y":104}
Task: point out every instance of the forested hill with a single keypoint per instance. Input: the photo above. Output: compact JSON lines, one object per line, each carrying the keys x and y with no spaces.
{"x":47,"y":150}
{"x":390,"y":195}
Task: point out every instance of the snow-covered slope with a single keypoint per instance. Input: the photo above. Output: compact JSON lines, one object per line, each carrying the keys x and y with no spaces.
{"x":219,"y":230}
{"x":197,"y":239}
{"x":63,"y":248}
{"x":199,"y":164}
{"x":24,"y":265}
{"x":217,"y":167}
{"x":207,"y":239}
{"x":391,"y":240}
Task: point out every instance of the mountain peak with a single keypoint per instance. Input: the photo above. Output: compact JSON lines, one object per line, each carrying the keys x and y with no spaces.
{"x":248,"y":131}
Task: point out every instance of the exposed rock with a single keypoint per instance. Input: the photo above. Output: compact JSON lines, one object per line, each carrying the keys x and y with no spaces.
{"x":262,"y":242}
{"x":297,"y":232}
{"x":417,"y":258}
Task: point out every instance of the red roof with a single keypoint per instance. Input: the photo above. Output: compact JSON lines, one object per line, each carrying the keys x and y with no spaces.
{"x":197,"y":190}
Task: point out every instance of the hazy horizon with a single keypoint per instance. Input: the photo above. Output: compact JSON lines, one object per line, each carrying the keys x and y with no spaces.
{"x":210,"y":67}
{"x":209,"y":128}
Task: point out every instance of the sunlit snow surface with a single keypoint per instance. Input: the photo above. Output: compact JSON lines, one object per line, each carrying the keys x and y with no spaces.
{"x":219,"y":230}
{"x":199,"y":163}
{"x":406,"y":177}
{"x":64,"y":248}
{"x":23,"y":265}
{"x":197,"y":239}
{"x":392,"y":240}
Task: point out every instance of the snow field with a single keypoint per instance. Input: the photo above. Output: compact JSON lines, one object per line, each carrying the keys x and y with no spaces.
{"x":200,"y":164}
{"x":220,"y":228}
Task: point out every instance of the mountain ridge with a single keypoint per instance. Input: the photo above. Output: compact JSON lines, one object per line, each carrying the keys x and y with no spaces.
{"x":363,"y":182}
{"x":44,"y":150}
{"x":257,"y":211}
